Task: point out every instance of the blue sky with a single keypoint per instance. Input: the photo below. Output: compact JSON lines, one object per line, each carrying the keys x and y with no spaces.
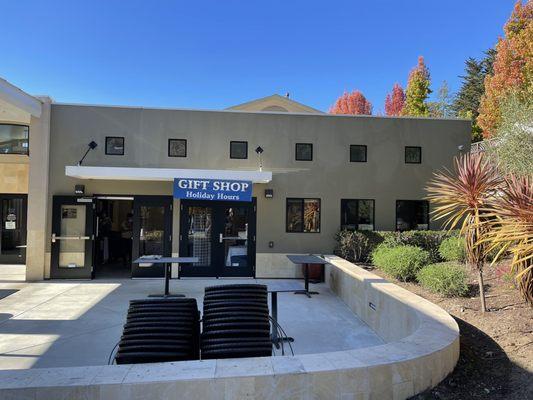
{"x":214,"y":54}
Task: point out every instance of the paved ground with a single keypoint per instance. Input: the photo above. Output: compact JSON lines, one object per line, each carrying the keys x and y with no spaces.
{"x":77,"y":323}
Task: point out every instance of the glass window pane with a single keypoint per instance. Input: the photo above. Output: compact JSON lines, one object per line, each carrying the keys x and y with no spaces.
{"x":177,"y":148}
{"x":366,"y":215}
{"x":304,"y":152}
{"x":152,"y":226}
{"x":239,"y":150}
{"x":349,"y":218}
{"x":236,"y":236}
{"x":14,"y":139}
{"x":357,"y":153}
{"x":72,"y":251}
{"x":413,"y":155}
{"x":412,"y":214}
{"x":199,"y":234}
{"x":13,"y":227}
{"x":311,"y":215}
{"x":294,"y":215}
{"x":114,"y":146}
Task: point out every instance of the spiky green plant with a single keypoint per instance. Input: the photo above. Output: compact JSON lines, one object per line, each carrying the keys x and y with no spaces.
{"x":460,"y":198}
{"x":510,"y":229}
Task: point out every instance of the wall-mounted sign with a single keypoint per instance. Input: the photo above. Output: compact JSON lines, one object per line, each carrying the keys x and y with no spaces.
{"x":11,"y":225}
{"x":212,"y":189}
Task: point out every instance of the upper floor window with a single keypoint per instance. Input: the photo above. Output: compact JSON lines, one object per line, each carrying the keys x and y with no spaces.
{"x":412,"y":215}
{"x":177,"y":147}
{"x":413,"y":155}
{"x":357,"y":153}
{"x":238,"y":150}
{"x":114,"y":145}
{"x":303,"y":215}
{"x":14,"y":139}
{"x":304,"y":152}
{"x":357,"y":214}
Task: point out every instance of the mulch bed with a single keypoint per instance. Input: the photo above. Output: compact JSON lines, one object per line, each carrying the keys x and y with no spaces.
{"x":496,"y":360}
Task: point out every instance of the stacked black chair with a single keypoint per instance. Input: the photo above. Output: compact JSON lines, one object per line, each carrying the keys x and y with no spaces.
{"x":236,"y":322}
{"x":159,"y":330}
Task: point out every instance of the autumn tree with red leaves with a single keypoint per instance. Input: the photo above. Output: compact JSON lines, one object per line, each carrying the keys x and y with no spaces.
{"x":395,"y":101}
{"x":513,"y":68}
{"x":354,"y":103}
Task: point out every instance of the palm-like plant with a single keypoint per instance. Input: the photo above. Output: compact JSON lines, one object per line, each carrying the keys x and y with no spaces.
{"x":461,"y":198}
{"x":511,"y":229}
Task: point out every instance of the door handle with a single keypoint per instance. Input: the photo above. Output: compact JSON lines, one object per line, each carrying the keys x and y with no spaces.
{"x":55,"y":237}
{"x":220,"y":238}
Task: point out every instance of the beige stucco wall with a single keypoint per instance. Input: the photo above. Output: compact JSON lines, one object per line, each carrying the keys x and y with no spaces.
{"x":14,"y":170}
{"x":330,"y":176}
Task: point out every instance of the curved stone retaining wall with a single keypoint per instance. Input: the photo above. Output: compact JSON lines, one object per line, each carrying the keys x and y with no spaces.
{"x":422,"y":347}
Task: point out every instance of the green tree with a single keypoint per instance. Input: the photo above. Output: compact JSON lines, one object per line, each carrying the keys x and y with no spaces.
{"x":442,"y":107}
{"x":513,"y":140}
{"x":466,"y":101}
{"x":417,"y":91}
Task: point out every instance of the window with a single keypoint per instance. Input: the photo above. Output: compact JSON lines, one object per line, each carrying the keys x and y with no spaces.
{"x":177,"y":148}
{"x":412,"y":214}
{"x":413,"y":155}
{"x":238,"y":150}
{"x":14,"y":139}
{"x":303,"y":215}
{"x":357,"y":153}
{"x":304,"y":152}
{"x":357,"y":214}
{"x":114,"y":145}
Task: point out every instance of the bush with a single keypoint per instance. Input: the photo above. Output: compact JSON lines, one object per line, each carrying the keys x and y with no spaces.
{"x":448,"y":279}
{"x":453,"y":249}
{"x":401,"y":262}
{"x":356,"y":246}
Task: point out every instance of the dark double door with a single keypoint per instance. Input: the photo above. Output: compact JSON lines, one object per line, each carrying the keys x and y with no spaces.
{"x":221,"y":234}
{"x":13,"y":212}
{"x":73,"y":235}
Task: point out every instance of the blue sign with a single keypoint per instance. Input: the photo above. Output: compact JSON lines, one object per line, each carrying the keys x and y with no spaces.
{"x":212,"y":189}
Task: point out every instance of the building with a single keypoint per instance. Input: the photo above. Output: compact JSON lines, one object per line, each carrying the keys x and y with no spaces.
{"x":300,"y":176}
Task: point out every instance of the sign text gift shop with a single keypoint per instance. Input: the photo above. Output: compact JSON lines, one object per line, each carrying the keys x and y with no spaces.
{"x":212,"y":189}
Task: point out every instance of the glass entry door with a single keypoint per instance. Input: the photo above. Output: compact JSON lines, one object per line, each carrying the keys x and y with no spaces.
{"x":152,"y":233}
{"x":72,"y":237}
{"x":13,"y":211}
{"x":221,"y":235}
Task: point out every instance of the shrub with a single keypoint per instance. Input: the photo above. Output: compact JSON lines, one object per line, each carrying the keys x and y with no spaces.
{"x":401,"y":262}
{"x":356,"y":246}
{"x":448,"y":279}
{"x":453,"y":249}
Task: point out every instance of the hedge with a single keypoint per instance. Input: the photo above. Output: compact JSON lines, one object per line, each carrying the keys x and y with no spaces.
{"x":453,"y":249}
{"x":448,"y":279}
{"x":401,"y":262}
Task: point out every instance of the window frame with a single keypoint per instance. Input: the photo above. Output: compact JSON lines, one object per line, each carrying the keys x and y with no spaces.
{"x":302,"y":200}
{"x":358,"y":200}
{"x":413,"y":147}
{"x":239,"y":142}
{"x":183,"y":140}
{"x":25,"y":126}
{"x":123,"y":145}
{"x":366,"y":155}
{"x":296,"y":151}
{"x":427,"y":215}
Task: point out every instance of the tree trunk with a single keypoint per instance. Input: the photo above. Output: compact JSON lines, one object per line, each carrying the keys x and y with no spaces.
{"x":481,"y":289}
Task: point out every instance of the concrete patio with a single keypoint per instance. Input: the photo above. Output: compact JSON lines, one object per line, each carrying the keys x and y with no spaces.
{"x":77,"y":323}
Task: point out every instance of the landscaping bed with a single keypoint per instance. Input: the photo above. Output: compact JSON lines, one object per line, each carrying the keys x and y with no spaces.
{"x":496,"y":359}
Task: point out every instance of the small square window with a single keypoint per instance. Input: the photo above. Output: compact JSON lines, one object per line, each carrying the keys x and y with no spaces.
{"x":177,"y":147}
{"x":413,"y":155}
{"x":238,"y":150}
{"x":357,"y":153}
{"x":304,"y":152}
{"x":114,"y":145}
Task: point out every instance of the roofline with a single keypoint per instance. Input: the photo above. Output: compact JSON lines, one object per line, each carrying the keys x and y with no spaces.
{"x":277,"y":96}
{"x":19,"y":98}
{"x":304,"y":114}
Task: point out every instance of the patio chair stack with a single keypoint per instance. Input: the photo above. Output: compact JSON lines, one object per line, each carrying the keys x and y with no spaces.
{"x":235,"y":322}
{"x":159,"y":330}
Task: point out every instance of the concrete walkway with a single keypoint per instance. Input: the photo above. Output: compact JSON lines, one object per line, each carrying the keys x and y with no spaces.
{"x":77,"y":323}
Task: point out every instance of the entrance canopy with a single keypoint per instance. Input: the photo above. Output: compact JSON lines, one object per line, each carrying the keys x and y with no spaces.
{"x":164,"y":174}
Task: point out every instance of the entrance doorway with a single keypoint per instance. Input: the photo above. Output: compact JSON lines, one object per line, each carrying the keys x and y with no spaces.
{"x":13,"y":211}
{"x":114,"y":234}
{"x":221,"y":235}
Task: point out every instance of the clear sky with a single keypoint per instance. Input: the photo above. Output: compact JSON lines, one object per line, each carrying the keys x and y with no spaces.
{"x":214,"y":54}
